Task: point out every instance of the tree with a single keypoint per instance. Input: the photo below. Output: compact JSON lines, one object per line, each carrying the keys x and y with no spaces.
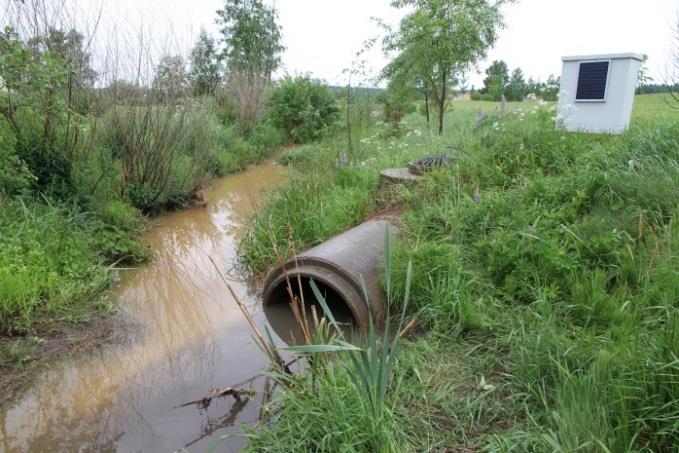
{"x":252,"y":48}
{"x":408,"y":68}
{"x":516,"y":89}
{"x":303,"y":107}
{"x":497,"y":79}
{"x":398,"y":102}
{"x":358,"y":70}
{"x":68,"y":45}
{"x":171,"y":80}
{"x":206,"y":65}
{"x":445,"y":38}
{"x":550,"y":89}
{"x":532,"y":86}
{"x":37,"y":112}
{"x":643,"y":78}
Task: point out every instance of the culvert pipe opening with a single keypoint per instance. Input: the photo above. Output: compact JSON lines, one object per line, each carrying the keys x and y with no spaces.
{"x":282,"y":319}
{"x":338,"y":266}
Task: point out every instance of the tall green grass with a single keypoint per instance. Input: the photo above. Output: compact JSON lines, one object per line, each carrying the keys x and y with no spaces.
{"x":312,"y":208}
{"x":363,"y":381}
{"x":51,"y":268}
{"x":568,"y":265}
{"x":545,"y":260}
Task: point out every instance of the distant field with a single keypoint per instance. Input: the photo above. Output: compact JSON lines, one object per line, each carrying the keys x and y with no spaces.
{"x":647,"y":107}
{"x":651,"y":107}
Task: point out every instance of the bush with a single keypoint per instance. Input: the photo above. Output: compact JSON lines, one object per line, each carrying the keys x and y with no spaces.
{"x":397,"y":103}
{"x":265,"y":138}
{"x":14,"y":174}
{"x":45,"y":128}
{"x":165,"y":153}
{"x":304,"y":108}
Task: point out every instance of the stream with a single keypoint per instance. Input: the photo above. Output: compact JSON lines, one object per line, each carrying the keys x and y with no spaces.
{"x":186,"y":335}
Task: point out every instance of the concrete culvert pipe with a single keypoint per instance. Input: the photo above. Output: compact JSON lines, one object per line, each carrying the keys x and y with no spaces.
{"x":336,"y":267}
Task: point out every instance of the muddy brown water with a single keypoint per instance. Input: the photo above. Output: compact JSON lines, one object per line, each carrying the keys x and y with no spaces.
{"x":187,"y":335}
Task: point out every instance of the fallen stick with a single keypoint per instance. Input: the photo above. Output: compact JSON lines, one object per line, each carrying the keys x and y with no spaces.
{"x":408,"y":326}
{"x":237,"y":394}
{"x":204,"y":402}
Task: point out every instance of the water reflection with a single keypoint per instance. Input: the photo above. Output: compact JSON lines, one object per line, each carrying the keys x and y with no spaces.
{"x":188,"y":335}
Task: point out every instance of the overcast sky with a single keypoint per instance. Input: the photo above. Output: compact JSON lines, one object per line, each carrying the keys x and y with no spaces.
{"x":322,"y":36}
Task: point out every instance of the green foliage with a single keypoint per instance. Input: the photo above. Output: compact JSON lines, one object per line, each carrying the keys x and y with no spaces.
{"x":546,"y":262}
{"x":363,"y":380}
{"x":77,"y":164}
{"x":14,"y":174}
{"x":303,"y":107}
{"x":251,"y":37}
{"x":252,"y":48}
{"x":499,"y":83}
{"x":566,"y":235}
{"x":170,"y":80}
{"x":265,"y":138}
{"x":157,"y":156}
{"x":206,"y":66}
{"x":442,"y":39}
{"x":312,"y":409}
{"x":38,"y":112}
{"x":69,"y":45}
{"x":547,"y":91}
{"x":496,"y":81}
{"x":516,"y":89}
{"x":397,"y":102}
{"x":49,"y":266}
{"x":312,"y":209}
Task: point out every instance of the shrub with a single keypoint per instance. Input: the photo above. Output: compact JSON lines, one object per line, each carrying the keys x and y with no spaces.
{"x":265,"y":138}
{"x":45,"y":127}
{"x":397,"y":103}
{"x":165,"y":152}
{"x":303,"y":107}
{"x":14,"y":174}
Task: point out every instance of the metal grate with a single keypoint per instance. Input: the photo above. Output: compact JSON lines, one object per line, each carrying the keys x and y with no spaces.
{"x":428,"y":163}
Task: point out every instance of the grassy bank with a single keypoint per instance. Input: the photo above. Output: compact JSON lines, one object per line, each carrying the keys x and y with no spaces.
{"x":544,"y":280}
{"x":83,"y":163}
{"x":63,"y":234}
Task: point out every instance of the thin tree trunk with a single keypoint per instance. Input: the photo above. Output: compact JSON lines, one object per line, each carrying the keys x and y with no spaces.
{"x":349,"y":114}
{"x":367,"y":108}
{"x":442,"y":107}
{"x":426,"y":106}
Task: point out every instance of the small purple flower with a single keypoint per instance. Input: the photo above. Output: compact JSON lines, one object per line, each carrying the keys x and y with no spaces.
{"x":480,"y":115}
{"x":477,"y":196}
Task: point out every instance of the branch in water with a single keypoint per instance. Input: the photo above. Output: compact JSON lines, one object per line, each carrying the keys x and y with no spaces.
{"x":204,"y":402}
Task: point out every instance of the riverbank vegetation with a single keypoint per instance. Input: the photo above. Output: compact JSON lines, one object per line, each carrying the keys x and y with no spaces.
{"x":544,"y":282}
{"x":541,"y":266}
{"x":89,"y":149}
